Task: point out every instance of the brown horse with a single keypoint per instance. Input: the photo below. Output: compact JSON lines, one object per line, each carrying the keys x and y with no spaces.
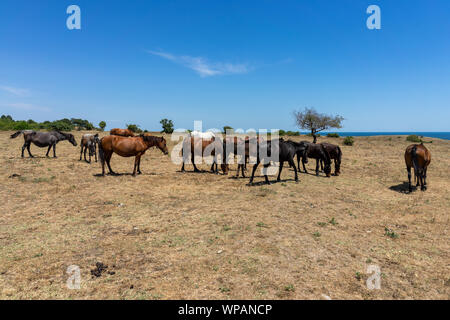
{"x":128,"y":147}
{"x":335,"y":154}
{"x":122,"y":132}
{"x":418,"y":157}
{"x":210,"y":145}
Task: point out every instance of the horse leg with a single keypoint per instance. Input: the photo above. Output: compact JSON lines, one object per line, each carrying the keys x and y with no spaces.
{"x":54,"y":150}
{"x":28,"y":149}
{"x":81,"y":152}
{"x":48,"y":150}
{"x":108,"y":159}
{"x":304,"y":168}
{"x":253,"y":172}
{"x":136,"y":160}
{"x":295,"y":169}
{"x":23,"y":148}
{"x":85,"y":150}
{"x":321,"y":165}
{"x":317,"y":167}
{"x":237,"y":171}
{"x":409,"y":179}
{"x":422,"y":182}
{"x":242,"y":170}
{"x":266,"y":178}
{"x":193,"y":163}
{"x":95,"y":152}
{"x":281,"y":168}
{"x":425,"y":177}
{"x":139,"y":166}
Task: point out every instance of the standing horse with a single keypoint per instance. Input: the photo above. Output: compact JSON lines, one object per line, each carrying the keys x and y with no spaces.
{"x":89,"y":142}
{"x":335,"y":154}
{"x":418,"y":157}
{"x":318,"y":152}
{"x":207,"y":147}
{"x":122,"y":132}
{"x":301,"y":150}
{"x":43,"y":139}
{"x":128,"y":147}
{"x":242,"y":148}
{"x":286,"y":152}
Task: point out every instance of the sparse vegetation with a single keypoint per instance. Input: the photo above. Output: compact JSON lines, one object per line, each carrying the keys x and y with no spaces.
{"x":310,"y":119}
{"x":413,"y":138}
{"x":349,"y":141}
{"x":333,"y":135}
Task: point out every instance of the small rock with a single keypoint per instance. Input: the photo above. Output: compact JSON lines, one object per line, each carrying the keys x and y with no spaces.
{"x":326,"y":297}
{"x":219,"y":252}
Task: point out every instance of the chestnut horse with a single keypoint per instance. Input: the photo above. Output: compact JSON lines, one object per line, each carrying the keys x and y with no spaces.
{"x":128,"y":147}
{"x":418,"y":157}
{"x":122,"y":132}
{"x":210,"y":145}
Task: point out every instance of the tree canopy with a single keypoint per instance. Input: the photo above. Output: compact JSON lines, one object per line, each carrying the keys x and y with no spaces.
{"x":310,"y":119}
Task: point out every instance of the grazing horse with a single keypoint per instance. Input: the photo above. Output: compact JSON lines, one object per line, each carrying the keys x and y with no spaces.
{"x":43,"y":139}
{"x":301,"y":150}
{"x":418,"y":157}
{"x":128,"y":147}
{"x":201,"y":145}
{"x":286,"y":152}
{"x":335,"y":154}
{"x":89,"y":142}
{"x":318,"y":152}
{"x":122,"y":132}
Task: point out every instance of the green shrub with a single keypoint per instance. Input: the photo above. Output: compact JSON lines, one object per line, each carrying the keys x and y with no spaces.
{"x":348,"y":141}
{"x":413,"y":138}
{"x":293,"y":133}
{"x":281,"y":133}
{"x":167,"y":126}
{"x":310,"y":134}
{"x":228,"y":128}
{"x":134,"y":128}
{"x":333,"y":135}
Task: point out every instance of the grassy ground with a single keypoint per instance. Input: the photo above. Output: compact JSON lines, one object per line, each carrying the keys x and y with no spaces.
{"x":172,"y":235}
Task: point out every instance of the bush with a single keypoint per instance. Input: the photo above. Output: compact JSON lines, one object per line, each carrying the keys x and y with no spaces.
{"x":333,"y":135}
{"x":413,"y":138}
{"x":348,"y":141}
{"x":102,"y":125}
{"x":228,"y":128}
{"x":134,"y":128}
{"x":292,"y":133}
{"x":167,"y":126}
{"x":281,"y":133}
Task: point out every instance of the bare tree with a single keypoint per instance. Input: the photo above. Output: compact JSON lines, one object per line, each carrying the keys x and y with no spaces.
{"x":310,"y":119}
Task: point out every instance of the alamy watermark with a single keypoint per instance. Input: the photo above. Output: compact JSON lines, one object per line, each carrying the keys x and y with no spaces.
{"x":74,"y":280}
{"x":74,"y":20}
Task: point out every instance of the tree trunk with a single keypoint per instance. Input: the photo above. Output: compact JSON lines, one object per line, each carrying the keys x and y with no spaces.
{"x":314,"y":136}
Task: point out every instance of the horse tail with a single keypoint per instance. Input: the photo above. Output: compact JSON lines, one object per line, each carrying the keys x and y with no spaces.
{"x":101,"y":153}
{"x":339,"y":158}
{"x":15,"y":135}
{"x":415,"y":162}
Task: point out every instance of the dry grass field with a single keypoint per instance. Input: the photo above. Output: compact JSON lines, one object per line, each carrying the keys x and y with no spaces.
{"x":172,"y":235}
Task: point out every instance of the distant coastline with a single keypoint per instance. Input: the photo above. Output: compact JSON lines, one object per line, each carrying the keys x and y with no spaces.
{"x":440,"y":135}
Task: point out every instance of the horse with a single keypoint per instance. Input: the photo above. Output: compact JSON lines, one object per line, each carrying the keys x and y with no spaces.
{"x":122,"y":132}
{"x":241,"y":147}
{"x":301,"y":149}
{"x":89,"y":142}
{"x":318,"y":152}
{"x":208,"y":145}
{"x":418,"y":157}
{"x":43,"y":139}
{"x":286,"y":152}
{"x":128,"y":147}
{"x":335,"y":154}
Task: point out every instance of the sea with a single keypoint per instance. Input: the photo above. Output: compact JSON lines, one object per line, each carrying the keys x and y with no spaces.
{"x":440,"y":135}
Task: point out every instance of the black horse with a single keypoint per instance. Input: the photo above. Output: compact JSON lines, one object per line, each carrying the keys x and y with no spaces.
{"x":43,"y":139}
{"x":301,"y":151}
{"x":286,"y":152}
{"x":320,"y":153}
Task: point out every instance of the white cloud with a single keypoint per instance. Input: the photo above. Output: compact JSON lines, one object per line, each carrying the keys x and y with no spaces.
{"x":25,"y":106}
{"x":15,"y":91}
{"x":202,"y":66}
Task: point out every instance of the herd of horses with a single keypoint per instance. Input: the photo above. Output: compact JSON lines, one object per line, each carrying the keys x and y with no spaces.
{"x":126,"y":144}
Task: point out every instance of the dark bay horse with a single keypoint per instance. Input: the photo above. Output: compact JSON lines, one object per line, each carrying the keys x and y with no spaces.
{"x":204,"y":147}
{"x":128,"y":147}
{"x":89,"y":142}
{"x":418,"y":157}
{"x":318,"y":152}
{"x":243,"y":148}
{"x":122,"y":132}
{"x":335,"y":154}
{"x":301,"y":151}
{"x":285,"y":151}
{"x":43,"y":139}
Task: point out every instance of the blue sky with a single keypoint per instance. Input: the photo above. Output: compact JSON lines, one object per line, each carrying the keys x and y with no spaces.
{"x":247,"y":64}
